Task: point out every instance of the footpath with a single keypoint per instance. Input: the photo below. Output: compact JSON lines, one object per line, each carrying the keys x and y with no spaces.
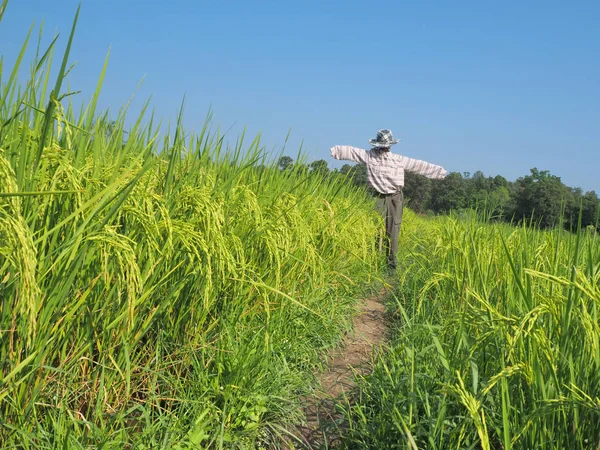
{"x":337,"y":381}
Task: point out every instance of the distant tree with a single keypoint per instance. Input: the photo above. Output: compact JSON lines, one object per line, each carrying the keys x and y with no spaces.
{"x":499,"y":181}
{"x":590,"y":209}
{"x":346,"y":169}
{"x":488,"y":195}
{"x":301,"y":168}
{"x":539,"y":196}
{"x":361,"y":176}
{"x":577,"y":203}
{"x":285,"y":162}
{"x":417,"y":191}
{"x":449,"y":193}
{"x":479,"y":180}
{"x":357,"y":173}
{"x":476,"y":183}
{"x":498,"y":203}
{"x":571,"y":205}
{"x":319,"y":166}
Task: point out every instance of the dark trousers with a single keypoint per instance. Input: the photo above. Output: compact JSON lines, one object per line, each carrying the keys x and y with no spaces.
{"x":390,"y":206}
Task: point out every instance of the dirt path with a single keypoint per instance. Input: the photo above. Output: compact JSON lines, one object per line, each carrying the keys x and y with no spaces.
{"x":369,"y":330}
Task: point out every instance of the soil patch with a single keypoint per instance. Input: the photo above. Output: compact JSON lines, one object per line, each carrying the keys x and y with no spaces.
{"x":369,"y":330}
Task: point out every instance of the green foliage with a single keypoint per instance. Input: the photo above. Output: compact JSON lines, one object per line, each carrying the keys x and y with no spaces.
{"x":590,"y":209}
{"x":417,"y":191}
{"x":496,"y":345}
{"x":285,"y":162}
{"x":358,"y":174}
{"x":449,"y":193}
{"x":161,"y":292}
{"x":319,"y":166}
{"x":540,"y":196}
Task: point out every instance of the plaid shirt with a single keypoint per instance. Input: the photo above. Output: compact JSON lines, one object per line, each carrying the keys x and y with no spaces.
{"x":386,"y":169}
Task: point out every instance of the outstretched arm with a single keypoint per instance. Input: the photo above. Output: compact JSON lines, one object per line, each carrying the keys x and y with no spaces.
{"x":423,"y":168}
{"x":349,"y":153}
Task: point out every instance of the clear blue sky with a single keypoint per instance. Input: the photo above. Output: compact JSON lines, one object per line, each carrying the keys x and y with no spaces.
{"x":494,"y":86}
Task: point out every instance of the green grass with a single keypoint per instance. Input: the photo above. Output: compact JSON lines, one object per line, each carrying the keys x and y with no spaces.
{"x":160,"y":291}
{"x":496,"y":342}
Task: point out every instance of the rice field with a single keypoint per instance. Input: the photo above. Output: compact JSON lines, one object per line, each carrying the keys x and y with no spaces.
{"x":496,"y":342}
{"x":177,"y":290}
{"x":160,"y":290}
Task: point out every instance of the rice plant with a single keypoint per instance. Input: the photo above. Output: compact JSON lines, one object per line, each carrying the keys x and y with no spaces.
{"x":160,"y":290}
{"x":496,"y":342}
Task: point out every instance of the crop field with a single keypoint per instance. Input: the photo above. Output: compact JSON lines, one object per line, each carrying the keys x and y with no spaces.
{"x":168,"y":290}
{"x":496,"y":342}
{"x":160,"y":294}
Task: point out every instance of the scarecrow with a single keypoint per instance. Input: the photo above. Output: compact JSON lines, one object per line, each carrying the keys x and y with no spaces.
{"x":386,"y":175}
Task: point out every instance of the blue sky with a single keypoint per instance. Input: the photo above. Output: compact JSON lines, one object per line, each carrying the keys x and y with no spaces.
{"x":494,"y":86}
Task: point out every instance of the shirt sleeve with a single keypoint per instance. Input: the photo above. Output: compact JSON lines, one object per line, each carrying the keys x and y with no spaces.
{"x":348,"y":153}
{"x":423,"y":168}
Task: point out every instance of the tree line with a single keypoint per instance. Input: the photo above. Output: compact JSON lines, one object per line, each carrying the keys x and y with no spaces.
{"x":539,"y":197}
